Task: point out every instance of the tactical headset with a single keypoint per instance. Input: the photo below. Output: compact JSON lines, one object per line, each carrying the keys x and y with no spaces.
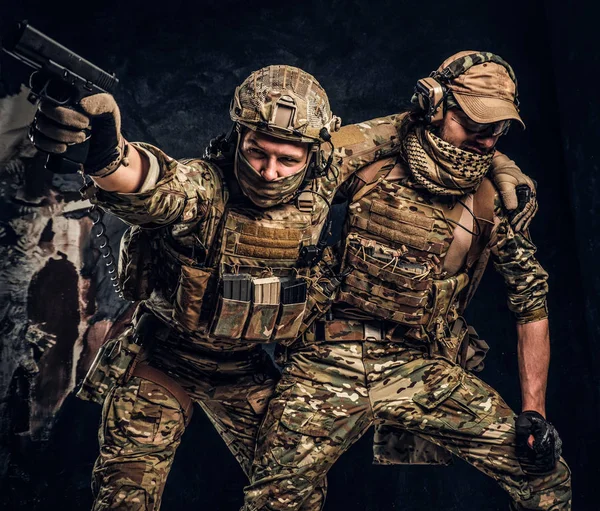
{"x":431,"y":92}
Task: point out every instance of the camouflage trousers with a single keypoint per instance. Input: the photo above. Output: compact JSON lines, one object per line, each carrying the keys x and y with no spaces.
{"x":331,"y":393}
{"x":142,"y":424}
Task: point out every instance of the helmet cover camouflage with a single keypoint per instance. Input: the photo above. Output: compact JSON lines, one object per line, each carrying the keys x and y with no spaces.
{"x":284,"y":102}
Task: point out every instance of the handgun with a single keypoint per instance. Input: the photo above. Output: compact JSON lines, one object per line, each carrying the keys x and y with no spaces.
{"x":61,"y":76}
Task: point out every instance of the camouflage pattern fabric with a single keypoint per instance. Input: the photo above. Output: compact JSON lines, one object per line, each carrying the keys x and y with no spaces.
{"x":388,"y":242}
{"x":513,"y":255}
{"x":441,"y":168}
{"x":394,"y":446}
{"x":231,"y":380}
{"x":331,"y":393}
{"x":142,"y":424}
{"x":141,"y":429}
{"x":188,"y":202}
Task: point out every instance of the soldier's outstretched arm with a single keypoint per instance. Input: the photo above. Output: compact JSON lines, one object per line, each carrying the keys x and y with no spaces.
{"x":136,"y":182}
{"x":112,"y":163}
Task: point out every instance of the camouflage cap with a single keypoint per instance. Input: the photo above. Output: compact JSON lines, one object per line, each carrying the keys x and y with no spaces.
{"x":485,"y":91}
{"x":284,"y":102}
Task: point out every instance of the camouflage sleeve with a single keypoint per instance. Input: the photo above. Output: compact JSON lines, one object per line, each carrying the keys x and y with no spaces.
{"x":183,"y":194}
{"x":358,"y":145}
{"x":514,"y":257}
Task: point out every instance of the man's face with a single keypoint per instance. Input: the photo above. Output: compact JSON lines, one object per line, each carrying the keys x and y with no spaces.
{"x":460,"y":131}
{"x":273,"y":157}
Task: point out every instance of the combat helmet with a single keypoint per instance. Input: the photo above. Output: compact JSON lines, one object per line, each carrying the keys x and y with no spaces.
{"x":285,"y":102}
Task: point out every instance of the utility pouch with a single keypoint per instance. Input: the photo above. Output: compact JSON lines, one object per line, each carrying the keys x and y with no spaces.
{"x":233,"y":306}
{"x":113,"y":363}
{"x":472,"y":351}
{"x":322,"y":289}
{"x":263,"y":313}
{"x":134,"y":274}
{"x":290,"y":319}
{"x":445,"y":293}
{"x":384,"y":284}
{"x":319,"y":299}
{"x":230,"y":318}
{"x":293,"y":305}
{"x":261,"y":322}
{"x":191,"y":287}
{"x":451,"y":344}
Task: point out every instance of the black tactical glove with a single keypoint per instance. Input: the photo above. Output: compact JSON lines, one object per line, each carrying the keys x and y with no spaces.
{"x":97,"y":117}
{"x":547,"y":445}
{"x":517,"y":191}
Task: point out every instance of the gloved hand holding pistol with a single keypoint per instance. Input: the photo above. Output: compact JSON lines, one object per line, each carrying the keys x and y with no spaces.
{"x":97,"y":117}
{"x":518,"y":191}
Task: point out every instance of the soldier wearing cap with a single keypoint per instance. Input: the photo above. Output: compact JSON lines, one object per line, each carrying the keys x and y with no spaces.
{"x":224,"y":253}
{"x":396,"y":352}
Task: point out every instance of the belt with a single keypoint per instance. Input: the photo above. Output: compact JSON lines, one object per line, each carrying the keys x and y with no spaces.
{"x":349,"y":330}
{"x":154,"y":375}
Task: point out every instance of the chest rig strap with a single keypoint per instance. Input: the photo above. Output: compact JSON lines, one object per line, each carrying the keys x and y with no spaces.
{"x":397,"y":242}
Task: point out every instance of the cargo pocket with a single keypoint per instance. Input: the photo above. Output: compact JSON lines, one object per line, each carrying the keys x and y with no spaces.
{"x":230,"y":318}
{"x":290,"y":319}
{"x":153,"y":419}
{"x":302,"y":434}
{"x":110,"y":367}
{"x":438,"y":388}
{"x":261,"y":322}
{"x":455,"y":399}
{"x":188,"y":297}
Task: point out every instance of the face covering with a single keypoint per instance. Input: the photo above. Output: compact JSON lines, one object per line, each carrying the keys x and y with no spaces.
{"x":263,"y":193}
{"x":442,"y":168}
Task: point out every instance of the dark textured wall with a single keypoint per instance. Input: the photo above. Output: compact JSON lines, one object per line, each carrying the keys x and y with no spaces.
{"x":178,"y":64}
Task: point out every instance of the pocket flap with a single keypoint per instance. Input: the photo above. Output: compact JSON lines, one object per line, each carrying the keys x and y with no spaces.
{"x":288,"y":323}
{"x":307,"y":422}
{"x":230,"y":318}
{"x":438,"y":387}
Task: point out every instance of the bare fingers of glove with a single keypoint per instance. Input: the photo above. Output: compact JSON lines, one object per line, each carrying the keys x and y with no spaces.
{"x":522,"y":219}
{"x":64,"y":115}
{"x":99,"y":104}
{"x":58,"y":132}
{"x":522,"y":223}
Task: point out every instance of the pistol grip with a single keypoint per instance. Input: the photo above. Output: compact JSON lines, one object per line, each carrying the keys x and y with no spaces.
{"x":69,"y":162}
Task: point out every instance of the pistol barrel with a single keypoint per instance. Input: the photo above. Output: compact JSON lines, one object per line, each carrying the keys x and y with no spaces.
{"x":41,"y":52}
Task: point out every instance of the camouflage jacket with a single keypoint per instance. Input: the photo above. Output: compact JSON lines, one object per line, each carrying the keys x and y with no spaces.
{"x":191,"y":217}
{"x":398,"y":239}
{"x":513,"y":255}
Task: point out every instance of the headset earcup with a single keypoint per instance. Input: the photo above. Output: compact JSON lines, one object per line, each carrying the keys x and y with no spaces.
{"x":430,"y":95}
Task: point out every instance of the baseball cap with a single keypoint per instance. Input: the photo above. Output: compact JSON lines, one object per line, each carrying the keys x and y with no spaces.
{"x":485,"y":92}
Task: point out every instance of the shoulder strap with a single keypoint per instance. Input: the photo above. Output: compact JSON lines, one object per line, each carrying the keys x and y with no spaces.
{"x":369,"y":177}
{"x":479,"y":253}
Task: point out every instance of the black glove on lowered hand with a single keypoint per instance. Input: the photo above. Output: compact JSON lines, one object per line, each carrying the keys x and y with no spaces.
{"x":547,"y":445}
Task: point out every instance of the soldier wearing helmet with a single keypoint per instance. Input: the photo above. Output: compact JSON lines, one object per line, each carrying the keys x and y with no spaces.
{"x":224,"y":253}
{"x":396,"y":351}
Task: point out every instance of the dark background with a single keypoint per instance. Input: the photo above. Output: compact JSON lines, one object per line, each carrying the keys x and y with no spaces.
{"x":179,"y":64}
